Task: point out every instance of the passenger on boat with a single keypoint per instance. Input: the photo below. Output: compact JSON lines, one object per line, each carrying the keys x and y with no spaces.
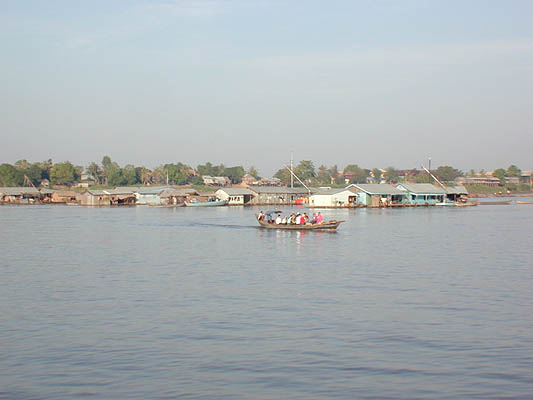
{"x":319,"y":218}
{"x":298,"y":219}
{"x":313,"y":220}
{"x":261,"y":216}
{"x":278,"y":219}
{"x":284,"y":221}
{"x":305,"y":218}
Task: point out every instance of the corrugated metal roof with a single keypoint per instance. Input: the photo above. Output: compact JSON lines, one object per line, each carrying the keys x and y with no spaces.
{"x":458,"y":189}
{"x":378,"y":188}
{"x":423,"y":188}
{"x":177,"y":192}
{"x":117,"y":191}
{"x":278,"y":190}
{"x":330,"y":191}
{"x":237,"y":191}
{"x":17,"y":191}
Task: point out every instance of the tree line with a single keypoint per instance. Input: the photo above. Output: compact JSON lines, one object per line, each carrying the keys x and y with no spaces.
{"x":110,"y":173}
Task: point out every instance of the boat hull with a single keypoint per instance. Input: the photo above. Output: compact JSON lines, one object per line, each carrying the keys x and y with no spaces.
{"x":207,"y":204}
{"x":329,"y":225}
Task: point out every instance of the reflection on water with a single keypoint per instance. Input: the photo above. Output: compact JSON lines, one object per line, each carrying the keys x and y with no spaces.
{"x":149,"y":302}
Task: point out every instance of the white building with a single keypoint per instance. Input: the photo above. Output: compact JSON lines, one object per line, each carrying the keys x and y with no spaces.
{"x":327,"y":197}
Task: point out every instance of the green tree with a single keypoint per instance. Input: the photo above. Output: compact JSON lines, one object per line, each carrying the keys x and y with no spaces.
{"x":94,"y":170}
{"x":358,"y":175}
{"x":305,"y":170}
{"x":11,"y":176}
{"x":253,"y":171}
{"x":447,"y":173}
{"x":114,"y":175}
{"x":500,"y":174}
{"x":391,"y":175}
{"x":235,"y":174}
{"x":129,"y":175}
{"x":285,"y":177}
{"x":376,"y":173}
{"x":334,"y":172}
{"x":324,"y":175}
{"x":35,"y":174}
{"x":513,"y":170}
{"x":64,"y":174}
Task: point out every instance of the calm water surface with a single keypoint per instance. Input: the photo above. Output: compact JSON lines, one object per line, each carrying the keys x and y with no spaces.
{"x":151,"y":303}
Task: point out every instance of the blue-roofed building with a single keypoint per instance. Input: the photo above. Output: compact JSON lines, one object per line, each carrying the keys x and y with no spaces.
{"x":422,"y":194}
{"x":378,"y":195}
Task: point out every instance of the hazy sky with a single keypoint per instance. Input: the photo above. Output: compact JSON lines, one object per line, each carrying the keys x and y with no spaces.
{"x":377,"y":83}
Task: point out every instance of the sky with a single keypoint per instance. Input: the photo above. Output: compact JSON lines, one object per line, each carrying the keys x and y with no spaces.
{"x":376,"y":83}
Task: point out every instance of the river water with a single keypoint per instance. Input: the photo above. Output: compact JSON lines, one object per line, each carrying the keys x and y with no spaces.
{"x":191,"y":303}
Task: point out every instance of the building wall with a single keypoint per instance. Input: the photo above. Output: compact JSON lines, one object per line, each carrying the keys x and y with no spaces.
{"x":148,"y":198}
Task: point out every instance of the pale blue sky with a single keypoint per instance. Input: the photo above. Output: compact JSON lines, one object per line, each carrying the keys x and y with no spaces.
{"x":376,"y":83}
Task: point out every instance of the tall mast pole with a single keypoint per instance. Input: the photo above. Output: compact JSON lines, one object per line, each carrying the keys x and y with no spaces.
{"x":292,"y":173}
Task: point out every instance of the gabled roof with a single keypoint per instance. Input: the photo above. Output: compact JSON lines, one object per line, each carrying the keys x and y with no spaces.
{"x":278,"y":190}
{"x":378,"y":188}
{"x":17,"y":191}
{"x":422,"y":188}
{"x":237,"y":191}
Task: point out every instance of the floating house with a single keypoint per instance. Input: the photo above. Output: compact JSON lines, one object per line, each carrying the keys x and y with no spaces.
{"x":121,"y":197}
{"x":266,"y":195}
{"x":456,"y":193}
{"x":333,"y":198}
{"x":149,"y":195}
{"x":177,"y":196}
{"x":63,"y":196}
{"x":20,"y":195}
{"x":235,"y":196}
{"x":378,"y":195}
{"x":422,"y":194}
{"x":95,"y":198}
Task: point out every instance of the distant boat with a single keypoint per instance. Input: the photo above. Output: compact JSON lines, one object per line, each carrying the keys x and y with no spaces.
{"x":328,"y":225}
{"x":523,"y":202}
{"x":196,"y":203}
{"x":494,"y":203}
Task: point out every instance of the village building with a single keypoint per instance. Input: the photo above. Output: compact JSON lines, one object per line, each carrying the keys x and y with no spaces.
{"x":456,"y":193}
{"x":378,"y":195}
{"x":121,"y":197}
{"x":333,"y":198}
{"x":264,"y":195}
{"x":96,"y":198}
{"x":150,"y":195}
{"x":235,"y":196}
{"x":484,"y":180}
{"x":216,"y":180}
{"x":63,"y":196}
{"x":422,"y":193}
{"x":20,"y":195}
{"x":176,"y":196}
{"x":249,"y":180}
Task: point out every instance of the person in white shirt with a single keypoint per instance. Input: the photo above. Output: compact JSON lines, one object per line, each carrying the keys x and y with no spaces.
{"x":278,"y":220}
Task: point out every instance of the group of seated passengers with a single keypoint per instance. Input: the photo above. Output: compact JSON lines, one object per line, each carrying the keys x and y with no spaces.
{"x":293,"y":219}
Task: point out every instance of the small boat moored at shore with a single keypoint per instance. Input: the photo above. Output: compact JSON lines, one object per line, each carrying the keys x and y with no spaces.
{"x":215,"y":203}
{"x":523,"y":202}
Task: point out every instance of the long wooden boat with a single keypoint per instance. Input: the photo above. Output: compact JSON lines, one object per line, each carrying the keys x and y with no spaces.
{"x":494,"y":203}
{"x":328,"y":225}
{"x":466,"y":204}
{"x":206,"y":203}
{"x":523,"y":202}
